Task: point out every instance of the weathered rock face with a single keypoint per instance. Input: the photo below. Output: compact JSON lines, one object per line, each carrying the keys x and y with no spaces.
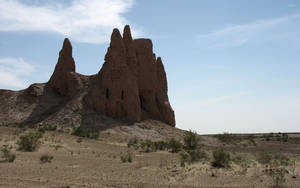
{"x":114,"y":90}
{"x":132,"y":83}
{"x":64,"y":79}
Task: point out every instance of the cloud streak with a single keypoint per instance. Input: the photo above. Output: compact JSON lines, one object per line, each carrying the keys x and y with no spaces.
{"x":89,"y":21}
{"x":239,"y":35}
{"x":12,"y":70}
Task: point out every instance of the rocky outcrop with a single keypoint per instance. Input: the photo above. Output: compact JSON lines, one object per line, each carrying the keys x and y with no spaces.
{"x":132,"y":83}
{"x":64,"y":79}
{"x":114,"y":91}
{"x":131,"y":86}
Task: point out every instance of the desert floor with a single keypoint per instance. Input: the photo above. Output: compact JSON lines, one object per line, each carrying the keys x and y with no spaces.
{"x":83,"y":162}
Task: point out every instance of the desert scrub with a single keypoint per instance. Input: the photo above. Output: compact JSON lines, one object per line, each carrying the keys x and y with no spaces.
{"x":221,"y":158}
{"x":190,"y":140}
{"x":7,"y":155}
{"x":273,"y":158}
{"x":29,"y":142}
{"x":133,"y":142}
{"x":127,"y":157}
{"x":47,"y":128}
{"x":46,"y":159}
{"x":150,"y":146}
{"x":92,"y":134}
{"x":174,"y":145}
{"x":229,"y":138}
{"x":277,"y":173}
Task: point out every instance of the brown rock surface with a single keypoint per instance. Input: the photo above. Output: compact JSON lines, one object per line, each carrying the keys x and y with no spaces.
{"x":132,"y":83}
{"x":64,"y":79}
{"x":131,"y":86}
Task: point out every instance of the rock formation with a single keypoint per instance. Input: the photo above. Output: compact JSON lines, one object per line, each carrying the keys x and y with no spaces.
{"x":64,"y":78}
{"x":131,"y":86}
{"x":132,"y":83}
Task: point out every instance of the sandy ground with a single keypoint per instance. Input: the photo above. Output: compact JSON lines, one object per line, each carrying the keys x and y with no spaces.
{"x":96,"y":163}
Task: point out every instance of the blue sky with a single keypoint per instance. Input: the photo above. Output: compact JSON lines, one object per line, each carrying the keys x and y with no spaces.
{"x":232,"y":65}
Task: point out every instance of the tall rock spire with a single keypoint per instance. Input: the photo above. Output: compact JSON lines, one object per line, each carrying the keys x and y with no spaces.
{"x":114,"y":90}
{"x":127,"y":38}
{"x":64,"y":80}
{"x":132,"y":83}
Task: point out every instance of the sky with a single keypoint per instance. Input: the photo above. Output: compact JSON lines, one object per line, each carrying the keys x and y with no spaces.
{"x":232,"y":65}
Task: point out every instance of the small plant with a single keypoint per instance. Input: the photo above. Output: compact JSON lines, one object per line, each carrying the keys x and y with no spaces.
{"x":174,"y":145}
{"x":133,"y":142}
{"x":46,"y":158}
{"x":29,"y":142}
{"x":221,"y":158}
{"x":161,"y":145}
{"x":277,"y":174}
{"x":47,"y":128}
{"x":285,"y":137}
{"x":7,"y":155}
{"x":147,"y":146}
{"x":92,"y":134}
{"x":126,"y":157}
{"x":190,"y":140}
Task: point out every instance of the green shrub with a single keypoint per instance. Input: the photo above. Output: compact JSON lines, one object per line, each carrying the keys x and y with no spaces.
{"x":8,"y":156}
{"x":46,"y":158}
{"x":190,"y":140}
{"x":47,"y":128}
{"x":174,"y":145}
{"x":147,"y":146}
{"x":126,"y":157}
{"x":221,"y":158}
{"x":92,"y":134}
{"x":161,"y":145}
{"x":29,"y":142}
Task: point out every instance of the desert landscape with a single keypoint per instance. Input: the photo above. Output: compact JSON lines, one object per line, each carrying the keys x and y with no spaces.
{"x":117,"y":129}
{"x":149,"y":94}
{"x":143,"y":155}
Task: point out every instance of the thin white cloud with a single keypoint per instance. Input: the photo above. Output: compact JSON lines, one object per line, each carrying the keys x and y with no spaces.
{"x":88,"y":21}
{"x":238,"y":35}
{"x":12,"y":70}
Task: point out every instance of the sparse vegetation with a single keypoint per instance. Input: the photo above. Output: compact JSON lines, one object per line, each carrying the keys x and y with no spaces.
{"x":92,"y":134}
{"x":46,"y":158}
{"x":133,"y":142}
{"x":47,"y":128}
{"x":150,"y":146}
{"x":229,"y":138}
{"x":174,"y":145}
{"x":127,"y":157}
{"x":29,"y":142}
{"x":7,"y":155}
{"x":190,"y":140}
{"x":273,"y":158}
{"x":278,"y":176}
{"x":221,"y":158}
